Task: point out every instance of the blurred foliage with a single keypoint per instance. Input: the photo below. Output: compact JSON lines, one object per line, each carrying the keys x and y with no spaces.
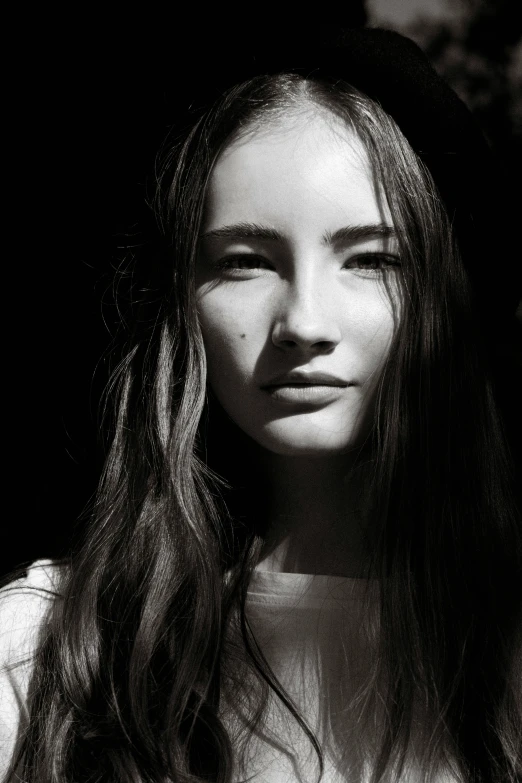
{"x":477,"y":47}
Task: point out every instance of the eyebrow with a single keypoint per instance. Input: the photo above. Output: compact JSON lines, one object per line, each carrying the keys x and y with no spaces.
{"x":345,"y":234}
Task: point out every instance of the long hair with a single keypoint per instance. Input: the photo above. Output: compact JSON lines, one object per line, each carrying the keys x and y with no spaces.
{"x":129,"y":675}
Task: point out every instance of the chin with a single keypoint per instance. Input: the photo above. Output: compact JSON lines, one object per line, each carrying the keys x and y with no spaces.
{"x":311,"y":452}
{"x":314,"y":444}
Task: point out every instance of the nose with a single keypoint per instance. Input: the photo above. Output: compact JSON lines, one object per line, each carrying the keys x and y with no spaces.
{"x":306,"y":320}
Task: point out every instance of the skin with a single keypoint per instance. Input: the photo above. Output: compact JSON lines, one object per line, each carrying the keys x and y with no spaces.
{"x":272,"y":305}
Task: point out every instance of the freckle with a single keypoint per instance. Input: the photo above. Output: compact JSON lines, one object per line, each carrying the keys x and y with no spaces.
{"x":243,"y":336}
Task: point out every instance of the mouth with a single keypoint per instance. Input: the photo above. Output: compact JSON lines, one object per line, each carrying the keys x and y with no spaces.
{"x":317,"y":391}
{"x":301,"y":378}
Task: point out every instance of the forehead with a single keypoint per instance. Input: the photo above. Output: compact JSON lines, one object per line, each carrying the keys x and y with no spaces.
{"x":307,"y":166}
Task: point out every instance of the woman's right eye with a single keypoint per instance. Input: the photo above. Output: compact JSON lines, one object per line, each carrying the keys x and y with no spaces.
{"x":246,"y":262}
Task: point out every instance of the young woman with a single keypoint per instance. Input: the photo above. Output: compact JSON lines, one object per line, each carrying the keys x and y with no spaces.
{"x":304,"y":558}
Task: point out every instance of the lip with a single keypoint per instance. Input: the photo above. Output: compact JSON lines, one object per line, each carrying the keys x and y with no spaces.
{"x":302,"y":378}
{"x":310,"y":389}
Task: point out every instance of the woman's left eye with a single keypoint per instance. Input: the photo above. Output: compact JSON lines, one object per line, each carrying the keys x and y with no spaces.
{"x":372,"y":262}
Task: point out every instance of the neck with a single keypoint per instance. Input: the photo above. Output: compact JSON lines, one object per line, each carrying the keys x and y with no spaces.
{"x":318,"y":518}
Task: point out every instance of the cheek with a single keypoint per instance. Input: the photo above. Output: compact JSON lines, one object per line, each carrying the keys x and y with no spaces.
{"x":376,"y":342}
{"x":231,"y":335}
{"x":373,"y":334}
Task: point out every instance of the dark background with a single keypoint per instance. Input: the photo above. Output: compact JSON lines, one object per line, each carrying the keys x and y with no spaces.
{"x":95,"y":108}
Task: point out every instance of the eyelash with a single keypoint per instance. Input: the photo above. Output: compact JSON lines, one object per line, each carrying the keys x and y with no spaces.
{"x":226,"y":263}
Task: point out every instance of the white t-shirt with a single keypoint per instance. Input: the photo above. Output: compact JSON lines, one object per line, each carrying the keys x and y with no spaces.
{"x":24,"y":606}
{"x":309,"y":629}
{"x":312,"y":631}
{"x":318,"y":634}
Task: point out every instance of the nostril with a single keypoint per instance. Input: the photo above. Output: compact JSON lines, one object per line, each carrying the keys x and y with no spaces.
{"x":323,"y":345}
{"x":319,"y":346}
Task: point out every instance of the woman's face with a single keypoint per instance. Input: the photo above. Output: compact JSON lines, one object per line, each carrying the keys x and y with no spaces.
{"x":296,"y":315}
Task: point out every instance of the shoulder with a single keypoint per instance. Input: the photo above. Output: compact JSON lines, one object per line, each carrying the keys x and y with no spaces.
{"x":24,"y":605}
{"x":24,"y":608}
